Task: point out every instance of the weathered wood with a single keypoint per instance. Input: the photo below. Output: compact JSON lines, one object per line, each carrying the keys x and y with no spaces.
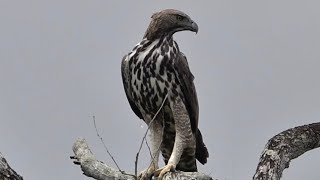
{"x":276,"y":156}
{"x":6,"y":172}
{"x":284,"y":147}
{"x":91,"y":167}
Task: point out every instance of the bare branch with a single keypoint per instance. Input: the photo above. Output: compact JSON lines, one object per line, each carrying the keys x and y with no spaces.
{"x":284,"y":147}
{"x":91,"y":167}
{"x":6,"y":172}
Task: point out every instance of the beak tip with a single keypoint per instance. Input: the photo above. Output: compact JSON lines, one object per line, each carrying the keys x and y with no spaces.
{"x":195,"y":27}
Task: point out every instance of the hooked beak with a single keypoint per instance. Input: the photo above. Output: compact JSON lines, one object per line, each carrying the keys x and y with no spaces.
{"x":190,"y":26}
{"x":194,"y":27}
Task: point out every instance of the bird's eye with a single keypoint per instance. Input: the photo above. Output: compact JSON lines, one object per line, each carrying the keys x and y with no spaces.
{"x":180,"y":18}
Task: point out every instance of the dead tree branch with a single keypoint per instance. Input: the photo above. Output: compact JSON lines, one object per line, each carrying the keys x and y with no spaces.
{"x":91,"y":167}
{"x":284,"y":147}
{"x":6,"y":172}
{"x":276,"y":156}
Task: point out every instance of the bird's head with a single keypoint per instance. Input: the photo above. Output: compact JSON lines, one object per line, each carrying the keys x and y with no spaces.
{"x":167,"y":22}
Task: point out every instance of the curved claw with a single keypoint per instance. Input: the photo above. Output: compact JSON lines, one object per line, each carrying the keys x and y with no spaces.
{"x":147,"y":173}
{"x":162,"y":171}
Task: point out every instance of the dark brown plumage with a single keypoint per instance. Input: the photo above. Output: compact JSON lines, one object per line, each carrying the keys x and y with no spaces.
{"x":156,"y":68}
{"x":167,"y":22}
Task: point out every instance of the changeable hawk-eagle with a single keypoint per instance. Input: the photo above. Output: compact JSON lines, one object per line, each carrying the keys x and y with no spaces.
{"x":156,"y":69}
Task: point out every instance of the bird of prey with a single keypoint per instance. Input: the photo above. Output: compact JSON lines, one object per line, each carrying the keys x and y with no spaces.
{"x":156,"y":74}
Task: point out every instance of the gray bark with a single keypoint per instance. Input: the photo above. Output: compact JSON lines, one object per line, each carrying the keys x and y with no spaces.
{"x":284,"y":147}
{"x":91,"y":167}
{"x":6,"y":172}
{"x":276,"y":156}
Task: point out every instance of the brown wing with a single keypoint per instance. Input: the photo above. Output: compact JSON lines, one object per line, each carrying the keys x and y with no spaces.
{"x":127,"y":88}
{"x":185,"y":79}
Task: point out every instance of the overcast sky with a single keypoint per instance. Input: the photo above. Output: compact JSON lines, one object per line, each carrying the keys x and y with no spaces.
{"x":256,"y":67}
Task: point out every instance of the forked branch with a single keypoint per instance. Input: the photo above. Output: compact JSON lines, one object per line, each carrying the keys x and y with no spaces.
{"x":91,"y":167}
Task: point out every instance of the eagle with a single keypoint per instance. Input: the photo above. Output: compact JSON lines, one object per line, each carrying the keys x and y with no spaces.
{"x":160,"y":90}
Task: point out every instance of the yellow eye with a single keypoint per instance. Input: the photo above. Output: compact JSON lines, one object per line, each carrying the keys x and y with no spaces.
{"x":180,"y":18}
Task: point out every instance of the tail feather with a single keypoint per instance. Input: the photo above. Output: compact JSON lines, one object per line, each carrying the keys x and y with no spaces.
{"x":201,"y":150}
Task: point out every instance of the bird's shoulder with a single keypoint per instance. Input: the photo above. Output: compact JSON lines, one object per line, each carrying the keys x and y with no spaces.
{"x":182,"y":66}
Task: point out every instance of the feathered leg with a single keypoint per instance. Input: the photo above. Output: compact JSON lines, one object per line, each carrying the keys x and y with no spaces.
{"x":156,"y":133}
{"x":183,"y":138}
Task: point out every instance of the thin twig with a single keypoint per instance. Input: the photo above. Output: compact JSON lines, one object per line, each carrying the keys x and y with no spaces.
{"x":144,"y":137}
{"x":149,"y":149}
{"x":105,"y":147}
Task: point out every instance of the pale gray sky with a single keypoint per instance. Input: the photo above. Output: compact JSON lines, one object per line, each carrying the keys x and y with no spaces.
{"x":256,"y":65}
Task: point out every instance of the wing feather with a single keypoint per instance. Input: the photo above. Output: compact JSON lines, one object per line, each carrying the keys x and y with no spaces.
{"x":126,"y":80}
{"x":188,"y":89}
{"x":185,"y":78}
